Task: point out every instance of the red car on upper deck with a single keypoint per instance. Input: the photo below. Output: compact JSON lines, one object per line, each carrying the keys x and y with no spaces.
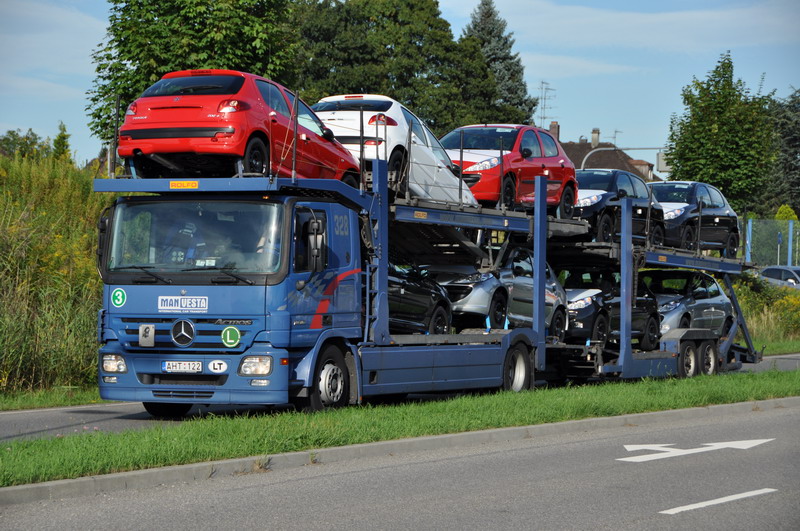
{"x":501,"y":162}
{"x":202,"y":123}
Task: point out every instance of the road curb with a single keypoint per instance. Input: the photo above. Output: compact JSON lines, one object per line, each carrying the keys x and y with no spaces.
{"x":70,"y":488}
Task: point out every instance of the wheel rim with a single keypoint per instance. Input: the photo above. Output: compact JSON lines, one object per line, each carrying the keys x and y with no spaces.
{"x":507,"y":198}
{"x":516,"y":372}
{"x":709,"y":359}
{"x":687,"y":241}
{"x":689,"y":361}
{"x":600,"y":331}
{"x":559,"y":325}
{"x":331,"y":384}
{"x":652,"y":333}
{"x":567,"y":203}
{"x":498,"y":312}
{"x":256,"y":160}
{"x":657,"y":237}
{"x":604,"y":229}
{"x":439,"y":323}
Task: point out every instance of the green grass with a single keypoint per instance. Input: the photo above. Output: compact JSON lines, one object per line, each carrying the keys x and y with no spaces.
{"x":213,"y":438}
{"x":55,"y":397}
{"x":776,"y":348}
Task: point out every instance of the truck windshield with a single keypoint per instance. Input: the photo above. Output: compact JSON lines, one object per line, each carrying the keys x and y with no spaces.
{"x":196,"y":236}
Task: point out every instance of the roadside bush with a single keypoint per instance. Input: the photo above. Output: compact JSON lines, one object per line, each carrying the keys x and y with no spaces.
{"x":772,"y":313}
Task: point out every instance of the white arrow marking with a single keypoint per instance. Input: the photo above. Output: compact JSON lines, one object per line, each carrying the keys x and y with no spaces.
{"x":664,"y":450}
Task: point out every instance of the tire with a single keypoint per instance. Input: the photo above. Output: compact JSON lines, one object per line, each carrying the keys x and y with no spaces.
{"x":731,"y":246}
{"x":517,"y":369}
{"x":508,"y":194}
{"x":350,"y":180}
{"x":394,"y":169}
{"x":497,"y":310}
{"x":605,"y":228}
{"x":688,"y":238}
{"x":600,"y":330}
{"x":649,"y":340}
{"x":162,"y":410}
{"x":687,"y":360}
{"x":686,"y":322}
{"x":566,"y":207}
{"x":708,"y":358}
{"x":330,"y":386}
{"x":256,"y":157}
{"x":440,"y":321}
{"x":657,"y":236}
{"x":558,"y":324}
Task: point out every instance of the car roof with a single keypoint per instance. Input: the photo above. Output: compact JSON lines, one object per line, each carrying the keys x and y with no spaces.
{"x":511,"y":126}
{"x":206,"y":72}
{"x":339,"y":97}
{"x":790,"y":268}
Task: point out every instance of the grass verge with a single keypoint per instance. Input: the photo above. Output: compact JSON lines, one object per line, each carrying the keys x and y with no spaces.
{"x":56,"y":397}
{"x":214,"y":438}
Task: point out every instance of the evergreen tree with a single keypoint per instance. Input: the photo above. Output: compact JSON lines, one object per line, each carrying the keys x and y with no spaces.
{"x":512,"y":91}
{"x":61,"y":142}
{"x":725,"y":137}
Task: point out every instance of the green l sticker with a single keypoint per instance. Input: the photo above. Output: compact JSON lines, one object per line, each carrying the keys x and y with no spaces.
{"x":231,"y":336}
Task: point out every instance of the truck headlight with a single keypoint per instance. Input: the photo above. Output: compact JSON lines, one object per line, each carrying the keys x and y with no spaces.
{"x":114,"y":363}
{"x":255,"y":366}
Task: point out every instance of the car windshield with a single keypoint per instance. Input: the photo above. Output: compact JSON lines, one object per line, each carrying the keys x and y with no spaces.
{"x":195,"y":86}
{"x":355,"y":104}
{"x":491,"y":138}
{"x":666,"y":283}
{"x":238,"y":236}
{"x":590,"y":180}
{"x":672,"y":192}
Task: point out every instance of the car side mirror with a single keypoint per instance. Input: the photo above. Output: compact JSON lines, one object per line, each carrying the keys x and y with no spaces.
{"x":526,"y":153}
{"x":456,"y":169}
{"x":622,"y":193}
{"x":327,"y":134}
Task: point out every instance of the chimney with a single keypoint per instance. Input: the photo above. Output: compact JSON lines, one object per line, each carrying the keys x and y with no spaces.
{"x":595,"y":137}
{"x":555,"y":130}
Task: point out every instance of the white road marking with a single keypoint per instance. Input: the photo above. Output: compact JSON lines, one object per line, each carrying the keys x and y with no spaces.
{"x":718,"y":501}
{"x":664,"y":450}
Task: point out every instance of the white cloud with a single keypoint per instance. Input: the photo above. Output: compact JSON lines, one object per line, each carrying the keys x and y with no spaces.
{"x":563,"y":66}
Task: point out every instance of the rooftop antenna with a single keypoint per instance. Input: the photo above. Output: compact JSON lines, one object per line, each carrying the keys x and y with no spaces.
{"x":544,"y":90}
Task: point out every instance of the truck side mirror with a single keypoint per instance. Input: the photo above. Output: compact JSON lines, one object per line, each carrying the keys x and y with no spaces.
{"x":316,"y":245}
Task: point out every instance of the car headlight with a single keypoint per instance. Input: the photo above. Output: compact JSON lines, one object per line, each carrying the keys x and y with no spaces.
{"x":484,"y":165}
{"x":668,"y":307}
{"x":255,"y":366}
{"x":114,"y":363}
{"x":475,"y":278}
{"x":587,"y":201}
{"x":580,"y":303}
{"x":672,"y":214}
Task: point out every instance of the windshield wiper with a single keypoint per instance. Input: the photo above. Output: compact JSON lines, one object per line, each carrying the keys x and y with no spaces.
{"x":222,"y":270}
{"x":147,"y":269}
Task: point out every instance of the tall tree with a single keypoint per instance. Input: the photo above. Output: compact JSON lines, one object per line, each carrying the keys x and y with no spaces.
{"x":28,"y":144}
{"x":489,"y":29}
{"x":61,"y":142}
{"x":148,"y":38}
{"x":786,"y":172}
{"x":725,"y":136}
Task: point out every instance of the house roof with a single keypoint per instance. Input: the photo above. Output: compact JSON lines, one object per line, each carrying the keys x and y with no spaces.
{"x":614,"y":159}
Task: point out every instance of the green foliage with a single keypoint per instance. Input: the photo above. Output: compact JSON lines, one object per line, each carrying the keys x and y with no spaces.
{"x":772,"y":313}
{"x":489,"y":29}
{"x":785,"y":182}
{"x":61,"y":142}
{"x":725,"y":137}
{"x":148,"y":38}
{"x":25,"y":145}
{"x":50,"y":291}
{"x":785,"y":213}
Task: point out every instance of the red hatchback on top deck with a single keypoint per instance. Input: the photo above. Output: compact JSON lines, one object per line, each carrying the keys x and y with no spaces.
{"x":216,"y":123}
{"x":501,"y":162}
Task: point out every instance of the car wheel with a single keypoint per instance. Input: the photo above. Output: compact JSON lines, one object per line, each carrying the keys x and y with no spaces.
{"x":708,"y":358}
{"x":516,"y":369}
{"x":657,"y":236}
{"x":440,"y":322}
{"x":605,"y":228}
{"x":731,"y":246}
{"x":600,"y":330}
{"x":558,"y":325}
{"x":649,"y":340}
{"x":497,"y":310}
{"x":566,"y":207}
{"x":688,"y":240}
{"x":686,"y":322}
{"x":350,"y":180}
{"x":687,"y":360}
{"x":161,"y":410}
{"x":508,"y":194}
{"x":330,"y":386}
{"x":256,"y":157}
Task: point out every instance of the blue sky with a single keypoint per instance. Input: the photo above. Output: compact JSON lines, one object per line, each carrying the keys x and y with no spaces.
{"x":617,"y":65}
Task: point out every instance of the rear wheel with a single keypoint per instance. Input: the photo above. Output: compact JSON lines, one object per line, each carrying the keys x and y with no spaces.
{"x":256,"y":157}
{"x":687,"y":360}
{"x":688,"y":238}
{"x":161,"y":410}
{"x":649,"y":340}
{"x":558,"y":324}
{"x":497,"y":310}
{"x":516,"y":369}
{"x":440,"y":322}
{"x":731,"y":246}
{"x":600,"y":330}
{"x":350,"y":180}
{"x":605,"y":228}
{"x":508,"y":194}
{"x":566,"y":207}
{"x":708,"y":357}
{"x":657,"y":236}
{"x":686,"y":322}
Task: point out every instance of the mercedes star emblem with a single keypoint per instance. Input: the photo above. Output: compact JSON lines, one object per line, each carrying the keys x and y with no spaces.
{"x":182,"y":333}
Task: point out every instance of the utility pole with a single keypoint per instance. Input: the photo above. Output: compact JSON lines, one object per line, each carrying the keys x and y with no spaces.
{"x":544,"y":89}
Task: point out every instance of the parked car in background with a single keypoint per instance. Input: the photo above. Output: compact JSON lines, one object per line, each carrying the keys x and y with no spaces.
{"x":689,"y":299}
{"x":391,"y":132}
{"x":697,"y":213}
{"x":474,"y":295}
{"x":203,"y":123}
{"x":787,"y":276}
{"x":600,"y":193}
{"x":517,"y":275}
{"x":594,"y":309}
{"x":417,"y":304}
{"x":501,"y":162}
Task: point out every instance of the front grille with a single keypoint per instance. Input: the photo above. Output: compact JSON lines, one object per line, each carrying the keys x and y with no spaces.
{"x":208,"y":335}
{"x":181,"y":379}
{"x":194,"y":395}
{"x":456,"y":293}
{"x":470,"y":179}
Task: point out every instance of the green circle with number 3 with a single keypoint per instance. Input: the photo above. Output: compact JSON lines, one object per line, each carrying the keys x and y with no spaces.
{"x":118,"y":297}
{"x":231,"y":336}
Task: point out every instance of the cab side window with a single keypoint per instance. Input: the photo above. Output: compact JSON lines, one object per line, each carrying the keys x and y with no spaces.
{"x":301,"y":253}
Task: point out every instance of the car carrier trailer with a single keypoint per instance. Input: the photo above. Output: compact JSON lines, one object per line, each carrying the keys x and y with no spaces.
{"x":317,"y":335}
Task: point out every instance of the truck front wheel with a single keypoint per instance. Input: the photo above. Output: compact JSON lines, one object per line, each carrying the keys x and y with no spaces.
{"x":331,"y":383}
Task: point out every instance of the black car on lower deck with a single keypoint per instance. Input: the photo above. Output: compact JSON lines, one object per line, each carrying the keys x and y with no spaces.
{"x":417,"y":304}
{"x":600,"y":195}
{"x":697,"y":215}
{"x":594,"y":298}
